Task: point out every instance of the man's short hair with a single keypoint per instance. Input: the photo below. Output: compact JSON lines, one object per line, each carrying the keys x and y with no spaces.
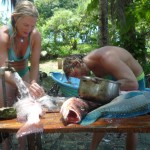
{"x":70,"y":62}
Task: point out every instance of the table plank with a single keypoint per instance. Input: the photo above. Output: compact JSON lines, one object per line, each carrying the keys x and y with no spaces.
{"x":53,"y":123}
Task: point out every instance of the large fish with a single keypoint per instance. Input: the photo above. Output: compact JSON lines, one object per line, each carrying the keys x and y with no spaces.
{"x":74,"y":109}
{"x":29,"y":111}
{"x":129,"y":104}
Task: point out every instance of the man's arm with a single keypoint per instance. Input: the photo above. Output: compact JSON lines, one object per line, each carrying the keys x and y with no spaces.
{"x":122,"y":72}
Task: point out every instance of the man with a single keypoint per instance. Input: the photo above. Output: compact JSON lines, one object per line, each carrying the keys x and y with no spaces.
{"x":109,"y":62}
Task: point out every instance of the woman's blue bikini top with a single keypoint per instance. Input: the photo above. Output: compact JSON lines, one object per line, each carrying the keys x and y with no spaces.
{"x":11,"y":54}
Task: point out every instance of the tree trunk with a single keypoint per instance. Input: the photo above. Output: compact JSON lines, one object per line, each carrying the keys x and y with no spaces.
{"x":133,"y":41}
{"x":103,"y":22}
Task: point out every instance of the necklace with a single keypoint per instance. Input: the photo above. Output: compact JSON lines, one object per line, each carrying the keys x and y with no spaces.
{"x":21,"y":40}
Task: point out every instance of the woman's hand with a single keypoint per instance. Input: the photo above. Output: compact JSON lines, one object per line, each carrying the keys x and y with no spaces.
{"x":35,"y":90}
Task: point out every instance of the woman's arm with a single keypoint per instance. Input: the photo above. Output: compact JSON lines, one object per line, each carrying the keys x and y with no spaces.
{"x":34,"y":88}
{"x":35,"y":56}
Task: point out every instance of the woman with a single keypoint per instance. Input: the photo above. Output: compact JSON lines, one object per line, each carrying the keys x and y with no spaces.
{"x":20,"y":41}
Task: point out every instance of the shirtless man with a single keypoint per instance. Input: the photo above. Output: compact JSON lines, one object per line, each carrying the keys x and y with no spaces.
{"x":108,"y":61}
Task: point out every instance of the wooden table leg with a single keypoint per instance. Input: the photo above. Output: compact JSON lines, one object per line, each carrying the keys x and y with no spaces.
{"x":131,"y":141}
{"x":96,"y":139}
{"x":34,"y":141}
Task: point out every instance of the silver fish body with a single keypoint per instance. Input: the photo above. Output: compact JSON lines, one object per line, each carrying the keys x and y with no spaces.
{"x":29,"y":111}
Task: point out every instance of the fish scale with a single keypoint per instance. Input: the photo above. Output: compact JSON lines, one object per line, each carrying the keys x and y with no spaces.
{"x":130,"y":104}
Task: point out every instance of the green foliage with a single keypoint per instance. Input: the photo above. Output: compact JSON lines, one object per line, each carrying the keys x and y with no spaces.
{"x":131,"y":30}
{"x":1,"y":22}
{"x":92,"y":5}
{"x":86,"y":48}
{"x":146,"y":67}
{"x":141,"y":5}
{"x":46,"y":8}
{"x":68,"y":4}
{"x":50,"y":50}
{"x":45,"y":44}
{"x":66,"y":27}
{"x":69,"y":27}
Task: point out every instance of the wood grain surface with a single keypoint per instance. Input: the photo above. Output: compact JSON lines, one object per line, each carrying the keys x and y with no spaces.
{"x":53,"y":122}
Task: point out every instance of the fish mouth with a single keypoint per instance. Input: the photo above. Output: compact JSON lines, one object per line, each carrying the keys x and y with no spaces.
{"x":72,"y":117}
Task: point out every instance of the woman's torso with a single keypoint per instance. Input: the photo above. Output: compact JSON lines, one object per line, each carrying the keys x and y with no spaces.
{"x":19,"y":58}
{"x":13,"y":55}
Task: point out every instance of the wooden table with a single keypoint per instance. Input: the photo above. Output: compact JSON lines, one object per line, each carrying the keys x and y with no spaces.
{"x":53,"y":123}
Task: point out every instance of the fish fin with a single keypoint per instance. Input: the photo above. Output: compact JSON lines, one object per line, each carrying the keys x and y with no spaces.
{"x":29,"y":129}
{"x":91,"y":117}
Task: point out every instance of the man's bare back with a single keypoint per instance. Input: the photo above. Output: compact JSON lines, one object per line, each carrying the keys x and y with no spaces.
{"x":117,"y":62}
{"x":109,"y":60}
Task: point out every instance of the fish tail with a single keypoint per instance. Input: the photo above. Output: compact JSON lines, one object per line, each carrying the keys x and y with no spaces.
{"x":29,"y":129}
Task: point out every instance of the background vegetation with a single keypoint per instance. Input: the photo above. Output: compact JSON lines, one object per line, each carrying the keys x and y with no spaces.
{"x":80,"y":26}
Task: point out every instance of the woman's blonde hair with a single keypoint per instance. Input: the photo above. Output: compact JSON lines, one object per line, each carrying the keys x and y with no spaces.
{"x":22,"y":8}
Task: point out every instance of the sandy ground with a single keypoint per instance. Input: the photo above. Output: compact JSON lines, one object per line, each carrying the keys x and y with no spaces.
{"x":49,"y":66}
{"x":82,"y":141}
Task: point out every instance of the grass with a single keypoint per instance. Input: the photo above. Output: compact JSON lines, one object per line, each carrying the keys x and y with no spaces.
{"x":49,"y":66}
